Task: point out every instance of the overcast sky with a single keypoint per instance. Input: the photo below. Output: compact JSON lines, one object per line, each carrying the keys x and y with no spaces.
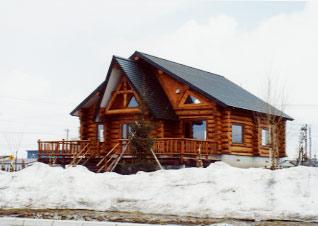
{"x":54,"y":53}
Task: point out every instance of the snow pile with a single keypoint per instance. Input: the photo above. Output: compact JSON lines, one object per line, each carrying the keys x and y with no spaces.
{"x":219,"y":191}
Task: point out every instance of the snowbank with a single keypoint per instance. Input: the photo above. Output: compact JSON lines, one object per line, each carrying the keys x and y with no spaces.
{"x":219,"y":191}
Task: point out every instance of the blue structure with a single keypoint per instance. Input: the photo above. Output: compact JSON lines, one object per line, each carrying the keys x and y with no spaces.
{"x":32,"y":154}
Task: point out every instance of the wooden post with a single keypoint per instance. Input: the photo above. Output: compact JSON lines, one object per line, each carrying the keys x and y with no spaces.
{"x":39,"y":150}
{"x":154,"y":155}
{"x":182,"y":152}
{"x":199,"y":160}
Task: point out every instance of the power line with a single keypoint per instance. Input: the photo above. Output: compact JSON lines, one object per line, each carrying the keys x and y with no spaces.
{"x":40,"y":124}
{"x":28,"y":132}
{"x":36,"y":100}
{"x":309,"y":104}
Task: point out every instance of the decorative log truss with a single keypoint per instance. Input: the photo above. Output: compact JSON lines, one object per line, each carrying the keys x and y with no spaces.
{"x":121,"y":98}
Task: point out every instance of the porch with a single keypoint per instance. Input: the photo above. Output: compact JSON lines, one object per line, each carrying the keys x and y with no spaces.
{"x":101,"y":158}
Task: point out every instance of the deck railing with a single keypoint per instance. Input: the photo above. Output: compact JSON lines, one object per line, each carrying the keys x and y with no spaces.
{"x":162,"y":146}
{"x":62,"y":148}
{"x":184,"y":146}
{"x":175,"y":146}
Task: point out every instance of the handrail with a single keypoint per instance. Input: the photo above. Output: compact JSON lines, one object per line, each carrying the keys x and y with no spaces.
{"x":121,"y":154}
{"x":63,"y":141}
{"x":84,"y":150}
{"x":173,"y":138}
{"x":62,"y":148}
{"x":100,"y":162}
{"x":184,"y":146}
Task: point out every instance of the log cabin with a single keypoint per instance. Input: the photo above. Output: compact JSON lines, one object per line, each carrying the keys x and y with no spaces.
{"x":198,"y":115}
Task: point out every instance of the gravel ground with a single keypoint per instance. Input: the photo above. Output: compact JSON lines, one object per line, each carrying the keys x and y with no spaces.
{"x":135,"y":217}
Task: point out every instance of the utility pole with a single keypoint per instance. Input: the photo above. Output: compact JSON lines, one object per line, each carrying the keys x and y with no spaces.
{"x":305,"y":146}
{"x":305,"y":129}
{"x":67,"y":133}
{"x":310,"y":142}
{"x":16,"y":161}
{"x":302,"y":151}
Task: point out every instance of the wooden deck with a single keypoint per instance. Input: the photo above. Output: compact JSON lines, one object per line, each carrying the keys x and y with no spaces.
{"x":82,"y":151}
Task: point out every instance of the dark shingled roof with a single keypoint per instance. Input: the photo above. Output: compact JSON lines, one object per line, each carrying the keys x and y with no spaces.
{"x":148,"y":87}
{"x":213,"y":86}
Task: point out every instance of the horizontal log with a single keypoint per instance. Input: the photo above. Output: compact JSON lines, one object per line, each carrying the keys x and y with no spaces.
{"x":242,"y":153}
{"x":240,"y":149}
{"x":195,"y":112}
{"x":123,"y":111}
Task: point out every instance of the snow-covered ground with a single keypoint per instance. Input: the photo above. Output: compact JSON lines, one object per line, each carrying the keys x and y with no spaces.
{"x":219,"y":191}
{"x":36,"y":222}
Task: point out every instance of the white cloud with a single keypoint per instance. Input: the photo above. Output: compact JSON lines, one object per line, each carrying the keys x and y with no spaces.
{"x":59,"y":51}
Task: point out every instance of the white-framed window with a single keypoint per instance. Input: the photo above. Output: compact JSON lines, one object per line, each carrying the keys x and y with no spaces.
{"x":199,"y":130}
{"x":100,"y":132}
{"x":125,"y":131}
{"x":266,"y":137}
{"x":237,"y":134}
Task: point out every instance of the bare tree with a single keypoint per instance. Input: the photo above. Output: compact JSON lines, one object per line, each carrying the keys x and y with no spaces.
{"x":275,"y":120}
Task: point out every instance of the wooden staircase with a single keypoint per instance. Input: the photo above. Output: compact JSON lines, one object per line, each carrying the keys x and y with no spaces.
{"x":83,"y":154}
{"x":108,"y":161}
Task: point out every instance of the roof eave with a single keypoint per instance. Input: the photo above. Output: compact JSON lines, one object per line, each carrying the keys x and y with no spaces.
{"x":104,"y":83}
{"x":78,"y":107}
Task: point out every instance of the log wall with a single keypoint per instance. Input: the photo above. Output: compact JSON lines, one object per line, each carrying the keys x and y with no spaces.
{"x":219,"y":121}
{"x":88,"y":128}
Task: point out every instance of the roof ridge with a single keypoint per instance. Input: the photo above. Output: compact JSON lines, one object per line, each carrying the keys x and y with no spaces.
{"x":123,"y":58}
{"x":180,"y":64}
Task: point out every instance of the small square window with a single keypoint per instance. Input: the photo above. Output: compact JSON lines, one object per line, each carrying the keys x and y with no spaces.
{"x":237,"y":134}
{"x":266,"y":137}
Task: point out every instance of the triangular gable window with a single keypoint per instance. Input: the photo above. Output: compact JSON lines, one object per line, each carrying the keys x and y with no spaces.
{"x":192,"y":100}
{"x":133,"y":102}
